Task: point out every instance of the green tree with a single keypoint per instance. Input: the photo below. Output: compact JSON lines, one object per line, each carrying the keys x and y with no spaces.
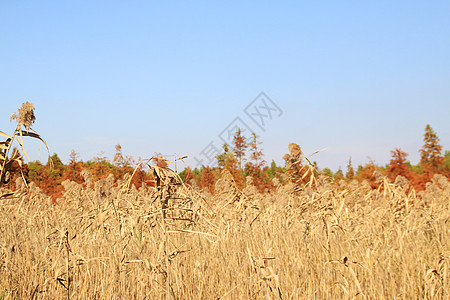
{"x":35,"y":169}
{"x":100,"y":167}
{"x":273,"y":170}
{"x":327,"y":172}
{"x":338,"y":175}
{"x":350,"y":171}
{"x":222,"y":158}
{"x":55,"y":167}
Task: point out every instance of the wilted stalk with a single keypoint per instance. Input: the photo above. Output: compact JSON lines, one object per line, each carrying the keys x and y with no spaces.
{"x":25,"y":118}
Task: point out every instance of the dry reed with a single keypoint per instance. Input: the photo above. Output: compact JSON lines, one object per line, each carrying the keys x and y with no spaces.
{"x":110,"y":241}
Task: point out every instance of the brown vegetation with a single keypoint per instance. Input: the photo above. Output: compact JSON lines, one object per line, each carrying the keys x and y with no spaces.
{"x":121,"y":230}
{"x":328,"y":241}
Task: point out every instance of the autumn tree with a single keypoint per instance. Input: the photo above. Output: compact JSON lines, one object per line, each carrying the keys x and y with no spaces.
{"x":207,"y":179}
{"x":350,"y":171}
{"x":397,"y":165}
{"x":447,"y":159}
{"x":253,"y":168}
{"x":51,"y":177}
{"x":228,"y":161}
{"x":431,"y":153}
{"x":370,"y":173}
{"x":256,"y":154}
{"x":100,"y":167}
{"x":339,"y":175}
{"x":231,"y":164}
{"x":222,"y":158}
{"x":187,"y":176}
{"x":239,"y":147}
{"x":74,"y":168}
{"x":260,"y":177}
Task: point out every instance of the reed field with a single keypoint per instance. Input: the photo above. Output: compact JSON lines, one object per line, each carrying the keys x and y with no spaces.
{"x":327,"y":240}
{"x":311,"y":237}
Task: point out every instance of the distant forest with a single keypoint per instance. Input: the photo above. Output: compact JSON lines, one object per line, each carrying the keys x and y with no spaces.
{"x":243,"y":159}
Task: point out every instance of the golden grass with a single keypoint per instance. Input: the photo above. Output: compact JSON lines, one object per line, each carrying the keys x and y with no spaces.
{"x":329,"y":242}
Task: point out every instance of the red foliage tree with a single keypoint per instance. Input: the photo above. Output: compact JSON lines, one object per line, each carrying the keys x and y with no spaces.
{"x":260,"y":178}
{"x":397,"y":165}
{"x":227,"y":160}
{"x":187,"y":176}
{"x":368,"y":172}
{"x":73,"y":170}
{"x":207,"y":179}
{"x":101,"y":168}
{"x":231,"y":164}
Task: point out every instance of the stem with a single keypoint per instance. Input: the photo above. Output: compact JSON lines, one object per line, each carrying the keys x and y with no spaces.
{"x":5,"y":161}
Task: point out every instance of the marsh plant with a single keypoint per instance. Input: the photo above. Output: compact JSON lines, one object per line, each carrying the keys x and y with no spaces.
{"x":25,"y":118}
{"x":314,"y":239}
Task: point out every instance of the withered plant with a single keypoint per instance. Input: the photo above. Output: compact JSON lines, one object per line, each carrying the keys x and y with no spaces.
{"x":25,"y":119}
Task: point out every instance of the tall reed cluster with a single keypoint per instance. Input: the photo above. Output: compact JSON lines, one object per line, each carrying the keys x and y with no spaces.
{"x":106,"y":240}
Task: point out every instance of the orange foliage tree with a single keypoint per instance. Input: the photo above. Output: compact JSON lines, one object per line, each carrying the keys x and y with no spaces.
{"x":239,"y":147}
{"x":187,"y":176}
{"x":207,"y":179}
{"x":350,"y":171}
{"x":100,"y":167}
{"x":254,"y":166}
{"x":74,"y":168}
{"x":397,"y":165}
{"x":227,"y":161}
{"x":368,"y":172}
{"x":431,"y":157}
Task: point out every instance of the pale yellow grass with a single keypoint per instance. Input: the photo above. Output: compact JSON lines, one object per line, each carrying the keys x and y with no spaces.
{"x":332,"y":242}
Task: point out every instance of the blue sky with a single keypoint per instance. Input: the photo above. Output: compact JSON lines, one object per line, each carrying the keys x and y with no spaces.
{"x":356,"y":77}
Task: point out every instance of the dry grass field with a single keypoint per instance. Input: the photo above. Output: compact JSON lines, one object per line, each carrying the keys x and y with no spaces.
{"x":331,"y":241}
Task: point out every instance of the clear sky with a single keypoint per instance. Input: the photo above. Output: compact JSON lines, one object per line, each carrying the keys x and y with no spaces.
{"x":358,"y":77}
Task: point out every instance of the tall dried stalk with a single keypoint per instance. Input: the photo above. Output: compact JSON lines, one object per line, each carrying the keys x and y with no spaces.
{"x":25,"y":118}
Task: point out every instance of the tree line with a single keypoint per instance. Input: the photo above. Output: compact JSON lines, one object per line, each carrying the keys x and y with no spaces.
{"x":243,"y":159}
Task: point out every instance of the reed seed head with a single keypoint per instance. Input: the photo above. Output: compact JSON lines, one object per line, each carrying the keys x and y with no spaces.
{"x":24,"y":115}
